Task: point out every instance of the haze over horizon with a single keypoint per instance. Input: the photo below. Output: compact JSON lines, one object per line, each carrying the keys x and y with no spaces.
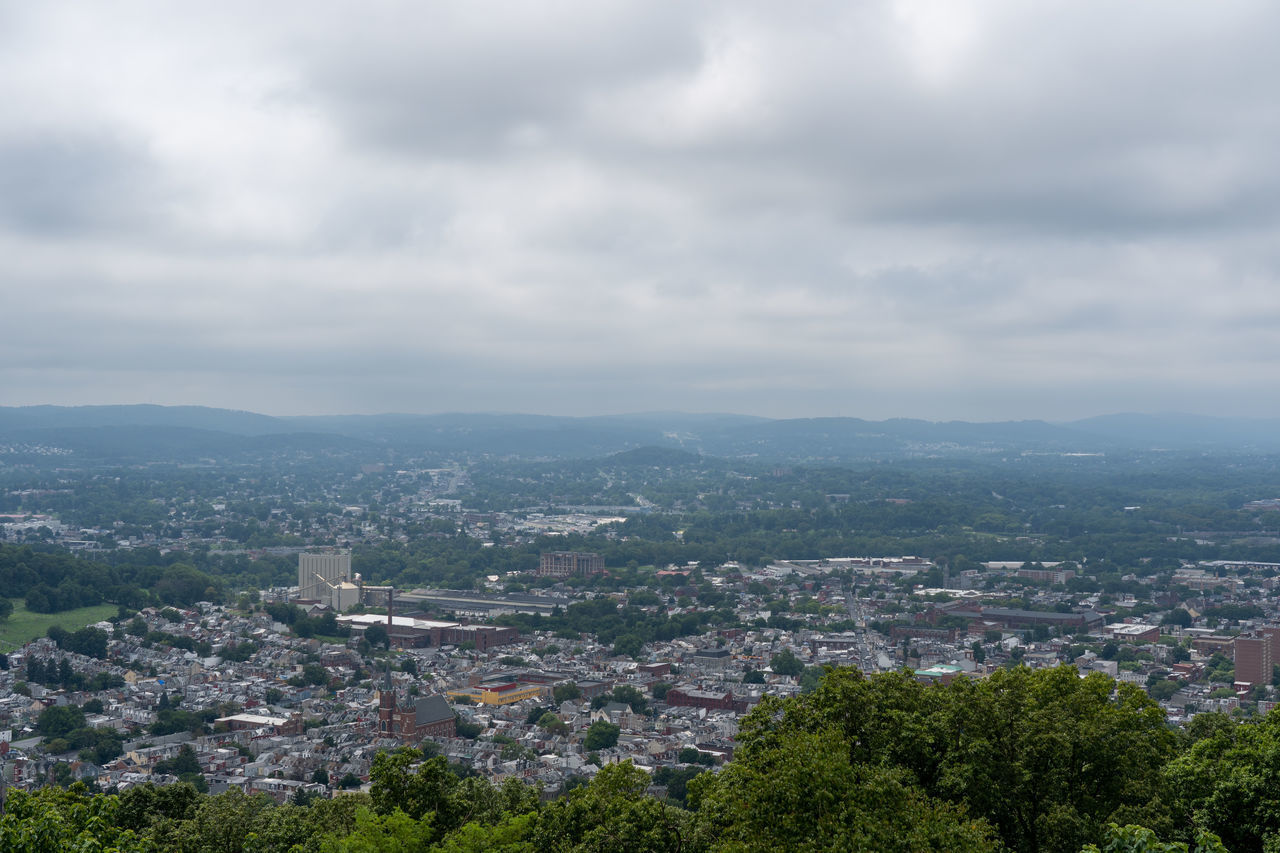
{"x":972,"y":211}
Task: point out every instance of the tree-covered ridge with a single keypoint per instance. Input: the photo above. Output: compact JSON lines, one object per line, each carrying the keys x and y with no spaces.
{"x":1023,"y":760}
{"x":148,"y":432}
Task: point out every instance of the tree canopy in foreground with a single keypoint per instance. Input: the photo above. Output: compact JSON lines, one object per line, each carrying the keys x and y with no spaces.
{"x":1022,"y":760}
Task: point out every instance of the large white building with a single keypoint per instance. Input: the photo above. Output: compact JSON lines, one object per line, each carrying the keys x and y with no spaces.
{"x":318,"y":574}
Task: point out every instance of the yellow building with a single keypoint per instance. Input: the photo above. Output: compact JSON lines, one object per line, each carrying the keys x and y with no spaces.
{"x":500,"y":694}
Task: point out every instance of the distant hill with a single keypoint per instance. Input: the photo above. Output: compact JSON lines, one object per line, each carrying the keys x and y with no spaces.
{"x":141,"y":444}
{"x":712,"y":435}
{"x":148,"y":433}
{"x":192,"y":417}
{"x":529,"y":436}
{"x":1175,"y":431}
{"x":845,"y":438}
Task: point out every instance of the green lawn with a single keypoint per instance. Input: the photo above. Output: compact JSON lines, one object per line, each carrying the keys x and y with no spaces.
{"x":24,"y":626}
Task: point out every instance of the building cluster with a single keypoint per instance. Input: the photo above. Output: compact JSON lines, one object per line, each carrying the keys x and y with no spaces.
{"x":245,"y":702}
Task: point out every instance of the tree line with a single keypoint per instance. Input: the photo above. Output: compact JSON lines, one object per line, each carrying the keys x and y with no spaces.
{"x":52,"y":581}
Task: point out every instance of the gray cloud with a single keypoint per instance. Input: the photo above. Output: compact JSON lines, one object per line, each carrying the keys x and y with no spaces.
{"x":66,"y":183}
{"x":454,"y":81}
{"x":968,"y":210}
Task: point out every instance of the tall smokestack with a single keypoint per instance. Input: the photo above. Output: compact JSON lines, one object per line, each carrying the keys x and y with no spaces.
{"x":391,"y":597}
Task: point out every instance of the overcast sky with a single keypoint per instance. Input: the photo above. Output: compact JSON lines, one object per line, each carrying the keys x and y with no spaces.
{"x":926,"y":209}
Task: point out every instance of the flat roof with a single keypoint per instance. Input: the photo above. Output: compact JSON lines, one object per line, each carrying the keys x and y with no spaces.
{"x":253,"y":720}
{"x":368,"y":619}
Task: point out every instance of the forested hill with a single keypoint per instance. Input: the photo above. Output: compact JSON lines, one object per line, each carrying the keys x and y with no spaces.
{"x":92,"y":417}
{"x":191,"y":433}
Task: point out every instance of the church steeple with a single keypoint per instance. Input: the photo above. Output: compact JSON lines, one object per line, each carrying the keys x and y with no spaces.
{"x":387,"y":696}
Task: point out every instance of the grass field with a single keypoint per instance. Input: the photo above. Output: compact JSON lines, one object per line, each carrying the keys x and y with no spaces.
{"x":24,"y":625}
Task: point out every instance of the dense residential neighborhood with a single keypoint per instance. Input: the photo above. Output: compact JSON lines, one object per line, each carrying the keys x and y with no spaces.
{"x":246,"y":702}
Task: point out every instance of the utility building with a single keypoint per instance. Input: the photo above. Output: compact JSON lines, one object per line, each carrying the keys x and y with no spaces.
{"x":318,"y":574}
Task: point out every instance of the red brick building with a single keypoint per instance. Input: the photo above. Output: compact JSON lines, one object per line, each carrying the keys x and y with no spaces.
{"x":713,"y":701}
{"x":428,"y":716}
{"x":1254,"y":659}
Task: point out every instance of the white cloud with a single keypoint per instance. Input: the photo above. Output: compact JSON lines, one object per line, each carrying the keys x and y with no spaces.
{"x":938,"y":209}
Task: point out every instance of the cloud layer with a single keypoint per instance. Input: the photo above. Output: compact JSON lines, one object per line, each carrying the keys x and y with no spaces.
{"x":936,"y":209}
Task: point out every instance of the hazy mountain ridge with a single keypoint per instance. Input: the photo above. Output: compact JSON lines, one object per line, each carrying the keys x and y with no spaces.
{"x":146,"y":443}
{"x":1183,"y":431}
{"x":141,"y":415}
{"x":176,"y":432}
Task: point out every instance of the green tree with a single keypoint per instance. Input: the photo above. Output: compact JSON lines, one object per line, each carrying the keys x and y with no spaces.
{"x":1050,"y":757}
{"x":509,"y":835}
{"x":58,"y":721}
{"x":811,"y":678}
{"x":786,"y":663}
{"x":1139,"y":839}
{"x":1228,"y":782}
{"x":800,"y":791}
{"x":630,"y":696}
{"x":1047,"y":757}
{"x":551,"y":723}
{"x":628,"y":645}
{"x":676,"y":780}
{"x":395,"y":832}
{"x":185,"y":762}
{"x":315,"y":674}
{"x":601,"y":735}
{"x":428,"y":789}
{"x":609,"y":814}
{"x":221,"y":824}
{"x":376,"y":634}
{"x":567,"y":692}
{"x":53,"y":820}
{"x":143,"y":806}
{"x":468,"y":730}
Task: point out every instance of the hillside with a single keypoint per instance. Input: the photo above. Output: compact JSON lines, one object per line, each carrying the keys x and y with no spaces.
{"x":187,"y":433}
